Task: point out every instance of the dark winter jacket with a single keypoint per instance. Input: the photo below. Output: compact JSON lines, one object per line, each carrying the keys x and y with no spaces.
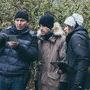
{"x":77,"y":56}
{"x":15,"y":61}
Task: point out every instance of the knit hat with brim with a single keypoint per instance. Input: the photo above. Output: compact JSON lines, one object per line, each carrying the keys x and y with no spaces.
{"x":22,"y":14}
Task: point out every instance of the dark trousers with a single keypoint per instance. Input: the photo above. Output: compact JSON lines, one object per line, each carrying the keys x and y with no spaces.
{"x":13,"y":83}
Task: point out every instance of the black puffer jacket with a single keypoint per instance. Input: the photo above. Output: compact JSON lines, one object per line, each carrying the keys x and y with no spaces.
{"x":17,"y":60}
{"x":77,"y":56}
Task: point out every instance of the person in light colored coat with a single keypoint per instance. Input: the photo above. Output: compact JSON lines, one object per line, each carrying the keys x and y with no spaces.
{"x":51,"y":48}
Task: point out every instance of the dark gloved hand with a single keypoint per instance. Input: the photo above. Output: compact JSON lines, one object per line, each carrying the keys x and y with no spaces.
{"x":3,"y":39}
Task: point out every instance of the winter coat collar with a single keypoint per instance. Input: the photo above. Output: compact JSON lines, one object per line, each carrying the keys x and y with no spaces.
{"x":20,"y":32}
{"x":78,"y":29}
{"x":56,"y":30}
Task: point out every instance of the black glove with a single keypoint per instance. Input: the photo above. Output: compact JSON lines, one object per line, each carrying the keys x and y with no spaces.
{"x":3,"y":39}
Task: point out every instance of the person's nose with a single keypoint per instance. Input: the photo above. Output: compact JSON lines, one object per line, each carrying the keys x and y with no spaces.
{"x":19,"y":22}
{"x":65,"y":29}
{"x":41,"y":29}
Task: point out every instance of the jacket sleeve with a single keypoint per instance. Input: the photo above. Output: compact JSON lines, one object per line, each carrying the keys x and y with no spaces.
{"x":27,"y":50}
{"x":79,"y":46}
{"x":3,"y":39}
{"x":62,"y":50}
{"x":62,"y":57}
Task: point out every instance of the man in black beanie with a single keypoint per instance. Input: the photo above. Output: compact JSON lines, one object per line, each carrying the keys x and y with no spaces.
{"x":18,"y":51}
{"x":22,"y":14}
{"x":51,"y":49}
{"x":46,"y":23}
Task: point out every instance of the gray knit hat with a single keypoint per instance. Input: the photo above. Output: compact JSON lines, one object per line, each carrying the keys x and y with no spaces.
{"x":74,"y":19}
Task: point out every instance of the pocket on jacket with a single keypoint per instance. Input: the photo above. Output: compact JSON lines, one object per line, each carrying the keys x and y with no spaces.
{"x":54,"y":75}
{"x":53,"y":79}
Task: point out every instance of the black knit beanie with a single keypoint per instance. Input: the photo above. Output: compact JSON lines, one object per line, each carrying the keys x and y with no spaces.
{"x":47,"y":20}
{"x":22,"y":14}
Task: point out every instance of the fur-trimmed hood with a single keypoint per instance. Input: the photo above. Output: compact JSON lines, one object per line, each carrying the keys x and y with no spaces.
{"x":57,"y":30}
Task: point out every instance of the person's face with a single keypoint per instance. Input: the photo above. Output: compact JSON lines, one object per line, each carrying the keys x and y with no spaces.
{"x":67,"y":30}
{"x":44,"y":30}
{"x":20,"y":23}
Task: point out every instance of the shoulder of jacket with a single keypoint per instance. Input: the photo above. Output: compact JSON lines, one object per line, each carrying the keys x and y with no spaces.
{"x":9,"y":27}
{"x":6,"y":30}
{"x":62,"y":37}
{"x":32,"y":33}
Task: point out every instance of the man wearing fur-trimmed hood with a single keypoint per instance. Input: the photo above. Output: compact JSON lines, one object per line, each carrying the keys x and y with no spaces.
{"x":51,"y":49}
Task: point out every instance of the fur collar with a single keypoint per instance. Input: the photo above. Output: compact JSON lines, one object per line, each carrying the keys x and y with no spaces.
{"x":57,"y":32}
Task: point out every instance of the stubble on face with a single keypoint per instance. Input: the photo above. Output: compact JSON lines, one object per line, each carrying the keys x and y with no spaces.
{"x":44,"y":30}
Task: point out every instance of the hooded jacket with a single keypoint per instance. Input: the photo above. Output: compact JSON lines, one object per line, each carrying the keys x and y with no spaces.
{"x":77,"y":56}
{"x":51,"y":50}
{"x":16,"y":61}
